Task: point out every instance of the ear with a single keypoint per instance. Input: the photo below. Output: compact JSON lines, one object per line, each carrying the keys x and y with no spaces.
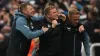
{"x":24,"y":11}
{"x":69,"y":17}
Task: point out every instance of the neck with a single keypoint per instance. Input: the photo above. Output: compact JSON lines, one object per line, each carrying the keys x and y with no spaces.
{"x":25,"y":14}
{"x":49,"y":20}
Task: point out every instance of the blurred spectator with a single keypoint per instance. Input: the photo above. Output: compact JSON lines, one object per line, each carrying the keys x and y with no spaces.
{"x":1,"y":24}
{"x":98,"y":6}
{"x":1,"y":38}
{"x":3,"y":3}
{"x":3,"y":11}
{"x":79,"y":4}
{"x":34,"y":47}
{"x":64,"y":4}
{"x":13,"y":8}
{"x":11,"y":13}
{"x":39,"y":12}
{"x":41,"y":3}
{"x":4,"y":42}
{"x":91,"y":25}
{"x":93,"y":28}
{"x":6,"y":30}
{"x":73,"y":6}
{"x":6,"y":19}
{"x":93,"y":5}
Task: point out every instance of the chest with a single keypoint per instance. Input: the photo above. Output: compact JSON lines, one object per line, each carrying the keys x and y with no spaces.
{"x":71,"y":33}
{"x":31,"y":25}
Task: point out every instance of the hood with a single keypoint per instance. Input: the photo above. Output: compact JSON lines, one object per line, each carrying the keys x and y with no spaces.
{"x":19,"y":14}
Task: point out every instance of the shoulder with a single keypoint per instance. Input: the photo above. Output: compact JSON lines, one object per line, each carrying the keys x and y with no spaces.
{"x":19,"y":19}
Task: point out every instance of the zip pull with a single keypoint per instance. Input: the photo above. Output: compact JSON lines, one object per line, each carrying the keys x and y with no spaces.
{"x":74,"y":45}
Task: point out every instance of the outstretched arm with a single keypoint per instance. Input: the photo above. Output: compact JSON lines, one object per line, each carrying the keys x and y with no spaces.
{"x":37,"y":18}
{"x":21,"y":25}
{"x":86,"y":42}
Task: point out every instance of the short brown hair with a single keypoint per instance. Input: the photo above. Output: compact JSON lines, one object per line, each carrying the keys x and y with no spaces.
{"x":23,"y":6}
{"x":48,"y":8}
{"x":72,"y":11}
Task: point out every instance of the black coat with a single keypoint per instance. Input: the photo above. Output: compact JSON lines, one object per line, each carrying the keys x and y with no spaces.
{"x":50,"y":41}
{"x":71,"y":40}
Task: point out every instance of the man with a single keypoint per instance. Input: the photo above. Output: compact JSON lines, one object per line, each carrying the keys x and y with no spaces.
{"x":92,"y":26}
{"x":72,"y":38}
{"x":23,"y":31}
{"x":50,"y":41}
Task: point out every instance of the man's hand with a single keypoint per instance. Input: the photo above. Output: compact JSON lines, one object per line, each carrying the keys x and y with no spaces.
{"x":97,"y":30}
{"x":54,"y":23}
{"x":62,"y":16}
{"x":44,"y":29}
{"x":1,"y":37}
{"x":81,"y":28}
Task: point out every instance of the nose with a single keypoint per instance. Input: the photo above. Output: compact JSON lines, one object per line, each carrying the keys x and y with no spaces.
{"x":33,"y":10}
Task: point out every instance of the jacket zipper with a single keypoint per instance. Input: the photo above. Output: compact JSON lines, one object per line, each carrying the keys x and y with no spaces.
{"x":74,"y":45}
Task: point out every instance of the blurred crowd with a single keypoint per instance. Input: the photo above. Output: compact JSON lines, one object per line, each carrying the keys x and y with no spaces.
{"x":89,"y":11}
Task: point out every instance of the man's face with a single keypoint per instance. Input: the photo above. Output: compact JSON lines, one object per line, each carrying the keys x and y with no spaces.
{"x":74,"y":18}
{"x":53,"y":14}
{"x":30,"y":10}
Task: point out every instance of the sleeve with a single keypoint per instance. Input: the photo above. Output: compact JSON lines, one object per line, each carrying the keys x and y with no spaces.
{"x":86,"y":41}
{"x":21,"y":25}
{"x":37,"y":18}
{"x":49,"y":32}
